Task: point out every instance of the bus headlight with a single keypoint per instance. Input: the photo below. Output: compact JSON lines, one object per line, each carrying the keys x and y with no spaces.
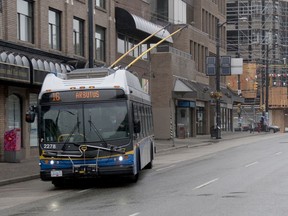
{"x":120,"y":158}
{"x":52,"y":162}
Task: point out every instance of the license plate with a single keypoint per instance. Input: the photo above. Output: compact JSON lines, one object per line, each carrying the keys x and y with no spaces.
{"x":56,"y":173}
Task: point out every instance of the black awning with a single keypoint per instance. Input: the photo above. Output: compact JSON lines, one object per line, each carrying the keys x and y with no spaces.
{"x":203,"y":91}
{"x":136,"y":26}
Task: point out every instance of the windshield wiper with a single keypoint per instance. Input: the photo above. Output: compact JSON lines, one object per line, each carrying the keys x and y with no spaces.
{"x":98,"y":133}
{"x":70,"y":135}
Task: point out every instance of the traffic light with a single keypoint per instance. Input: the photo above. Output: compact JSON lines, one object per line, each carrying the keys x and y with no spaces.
{"x":255,"y":86}
{"x":239,"y":110}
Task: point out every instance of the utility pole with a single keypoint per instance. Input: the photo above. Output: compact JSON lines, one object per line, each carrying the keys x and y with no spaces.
{"x":217,"y":80}
{"x":91,"y":32}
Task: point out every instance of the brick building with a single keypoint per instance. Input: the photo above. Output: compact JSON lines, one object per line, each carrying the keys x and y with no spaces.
{"x":39,"y":37}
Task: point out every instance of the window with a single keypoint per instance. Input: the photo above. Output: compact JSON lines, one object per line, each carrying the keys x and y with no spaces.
{"x":54,"y":29}
{"x":124,"y":43}
{"x":78,"y":36}
{"x":33,"y":126}
{"x":121,"y":43}
{"x":24,"y":20}
{"x":162,"y":10}
{"x":180,"y":11}
{"x":14,"y":113}
{"x":100,"y":43}
{"x":100,"y":3}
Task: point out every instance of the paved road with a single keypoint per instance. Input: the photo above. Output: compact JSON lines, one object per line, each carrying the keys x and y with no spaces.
{"x":246,"y":177}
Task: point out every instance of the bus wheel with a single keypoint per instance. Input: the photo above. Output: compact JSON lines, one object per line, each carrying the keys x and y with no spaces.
{"x":149,"y":165}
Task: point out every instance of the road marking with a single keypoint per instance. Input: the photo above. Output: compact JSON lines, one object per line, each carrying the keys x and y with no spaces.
{"x":82,"y":191}
{"x":164,"y":168}
{"x":251,"y":164}
{"x":205,"y":184}
{"x":137,"y":213}
{"x":278,"y":153}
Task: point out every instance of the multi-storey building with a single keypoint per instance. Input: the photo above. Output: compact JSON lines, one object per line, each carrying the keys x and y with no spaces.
{"x":39,"y":37}
{"x":257,"y":32}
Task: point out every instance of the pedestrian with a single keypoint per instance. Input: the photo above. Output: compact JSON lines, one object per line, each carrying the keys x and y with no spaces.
{"x":259,"y":127}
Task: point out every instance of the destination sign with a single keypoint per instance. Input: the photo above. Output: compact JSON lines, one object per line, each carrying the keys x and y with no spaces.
{"x":82,"y":95}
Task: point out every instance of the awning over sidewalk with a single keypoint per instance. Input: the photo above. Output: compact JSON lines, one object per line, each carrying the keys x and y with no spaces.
{"x":182,"y":90}
{"x":128,"y":23}
{"x":17,"y":67}
{"x":202,"y":90}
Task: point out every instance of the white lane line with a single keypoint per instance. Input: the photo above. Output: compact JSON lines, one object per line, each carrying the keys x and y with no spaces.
{"x":205,"y":184}
{"x":164,"y":168}
{"x":137,"y":213}
{"x":82,"y":191}
{"x":251,"y":164}
{"x":278,"y":153}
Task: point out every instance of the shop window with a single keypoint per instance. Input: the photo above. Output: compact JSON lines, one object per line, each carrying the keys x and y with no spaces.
{"x":14,"y":112}
{"x":33,"y":126}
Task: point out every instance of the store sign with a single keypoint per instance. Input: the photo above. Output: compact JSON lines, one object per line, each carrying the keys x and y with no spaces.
{"x":182,"y":103}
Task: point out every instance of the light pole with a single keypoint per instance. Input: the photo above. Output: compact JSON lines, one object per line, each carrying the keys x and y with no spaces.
{"x":267,"y":79}
{"x":218,"y":75}
{"x":217,"y":80}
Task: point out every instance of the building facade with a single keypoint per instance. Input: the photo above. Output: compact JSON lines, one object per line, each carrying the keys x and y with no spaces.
{"x":257,"y":32}
{"x":39,"y":37}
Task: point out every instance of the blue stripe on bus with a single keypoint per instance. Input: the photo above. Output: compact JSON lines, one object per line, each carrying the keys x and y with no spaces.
{"x":102,"y":162}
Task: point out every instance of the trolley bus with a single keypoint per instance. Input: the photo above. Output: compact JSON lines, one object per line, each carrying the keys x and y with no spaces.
{"x":93,"y":122}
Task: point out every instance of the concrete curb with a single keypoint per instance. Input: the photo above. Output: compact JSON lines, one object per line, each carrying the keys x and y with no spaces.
{"x":18,"y":179}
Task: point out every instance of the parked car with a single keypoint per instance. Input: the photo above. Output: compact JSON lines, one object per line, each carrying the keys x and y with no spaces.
{"x":273,"y":128}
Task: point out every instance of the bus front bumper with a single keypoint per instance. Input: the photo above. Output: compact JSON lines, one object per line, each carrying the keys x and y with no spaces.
{"x":85,"y":171}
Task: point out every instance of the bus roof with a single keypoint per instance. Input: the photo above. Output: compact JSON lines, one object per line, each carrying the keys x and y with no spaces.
{"x":96,"y":78}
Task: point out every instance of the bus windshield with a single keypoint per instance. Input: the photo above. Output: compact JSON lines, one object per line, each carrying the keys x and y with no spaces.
{"x":101,"y":121}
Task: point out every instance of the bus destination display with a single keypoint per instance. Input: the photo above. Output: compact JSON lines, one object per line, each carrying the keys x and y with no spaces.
{"x":82,"y":95}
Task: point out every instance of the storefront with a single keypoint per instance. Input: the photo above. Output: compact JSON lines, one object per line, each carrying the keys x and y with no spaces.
{"x":20,"y":79}
{"x":184,"y":118}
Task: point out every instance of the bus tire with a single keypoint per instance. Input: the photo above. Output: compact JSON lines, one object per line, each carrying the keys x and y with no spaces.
{"x":58,"y":183}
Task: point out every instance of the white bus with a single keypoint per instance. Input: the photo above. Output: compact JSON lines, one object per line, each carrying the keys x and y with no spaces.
{"x":93,"y":122}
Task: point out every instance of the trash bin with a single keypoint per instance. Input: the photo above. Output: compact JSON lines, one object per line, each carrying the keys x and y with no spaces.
{"x":181,"y":131}
{"x":213,"y":131}
{"x":12,"y":145}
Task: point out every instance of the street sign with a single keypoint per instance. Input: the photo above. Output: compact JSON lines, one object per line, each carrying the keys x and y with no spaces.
{"x":210,"y":66}
{"x":225,"y":66}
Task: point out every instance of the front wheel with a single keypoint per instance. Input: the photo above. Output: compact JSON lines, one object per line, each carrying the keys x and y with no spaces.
{"x":58,"y":183}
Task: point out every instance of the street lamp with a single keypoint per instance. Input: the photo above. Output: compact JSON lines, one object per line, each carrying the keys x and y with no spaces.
{"x":217,"y":77}
{"x":266,"y":78}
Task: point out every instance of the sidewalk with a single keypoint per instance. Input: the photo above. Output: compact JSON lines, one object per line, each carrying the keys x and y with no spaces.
{"x":29,"y":169}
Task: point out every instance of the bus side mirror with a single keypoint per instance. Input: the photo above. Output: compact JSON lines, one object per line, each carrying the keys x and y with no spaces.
{"x":30,"y":115}
{"x":137,"y":126}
